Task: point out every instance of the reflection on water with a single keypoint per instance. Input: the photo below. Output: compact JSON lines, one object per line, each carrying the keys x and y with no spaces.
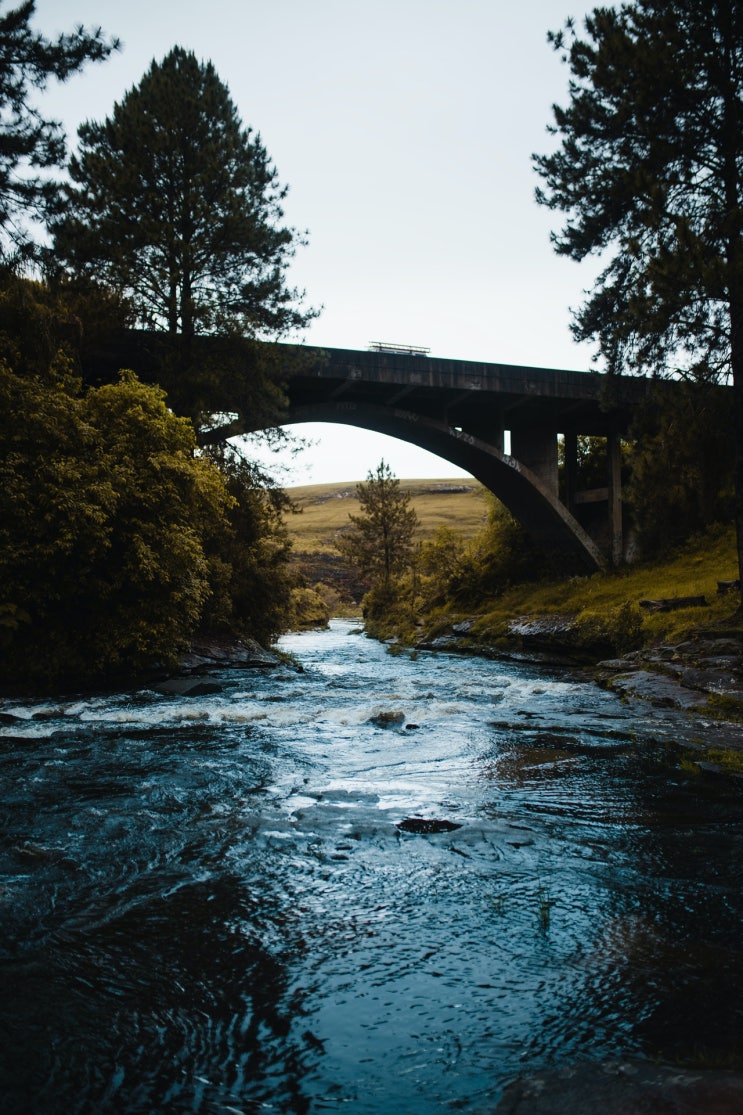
{"x":207,"y":905}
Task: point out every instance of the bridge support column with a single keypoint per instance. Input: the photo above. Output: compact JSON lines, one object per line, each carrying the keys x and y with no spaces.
{"x":571,"y":469}
{"x":536,"y":447}
{"x":614,"y":455}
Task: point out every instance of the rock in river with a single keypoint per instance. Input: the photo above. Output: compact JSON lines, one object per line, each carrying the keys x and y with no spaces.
{"x":426,"y":825}
{"x":188,"y":687}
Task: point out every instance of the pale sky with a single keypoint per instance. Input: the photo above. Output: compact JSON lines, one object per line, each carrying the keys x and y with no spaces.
{"x":404,"y":129}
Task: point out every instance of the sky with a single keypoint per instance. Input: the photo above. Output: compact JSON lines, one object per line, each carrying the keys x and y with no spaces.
{"x":404,"y":130}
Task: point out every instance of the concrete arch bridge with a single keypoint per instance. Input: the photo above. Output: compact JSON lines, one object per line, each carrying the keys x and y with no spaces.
{"x":461,"y":410}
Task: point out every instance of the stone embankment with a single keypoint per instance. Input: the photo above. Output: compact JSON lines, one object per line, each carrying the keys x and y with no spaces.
{"x":703,"y":672}
{"x":687,"y":675}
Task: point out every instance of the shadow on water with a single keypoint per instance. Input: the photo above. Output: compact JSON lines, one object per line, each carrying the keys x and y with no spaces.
{"x":178,"y":1001}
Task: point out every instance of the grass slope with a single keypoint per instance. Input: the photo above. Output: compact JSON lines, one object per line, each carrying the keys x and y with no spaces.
{"x":323,"y":510}
{"x":694,"y":570}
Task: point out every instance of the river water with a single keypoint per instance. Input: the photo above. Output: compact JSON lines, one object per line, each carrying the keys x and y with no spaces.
{"x":208,"y":906}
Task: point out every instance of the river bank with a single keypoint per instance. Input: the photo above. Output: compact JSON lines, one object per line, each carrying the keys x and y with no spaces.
{"x":700,"y":674}
{"x":666,"y":634}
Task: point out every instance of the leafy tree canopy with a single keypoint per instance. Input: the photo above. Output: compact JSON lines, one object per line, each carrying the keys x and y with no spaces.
{"x":29,"y":143}
{"x":106,"y":524}
{"x":176,"y":205}
{"x":649,"y":172}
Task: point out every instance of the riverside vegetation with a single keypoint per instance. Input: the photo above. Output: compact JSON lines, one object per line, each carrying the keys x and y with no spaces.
{"x":486,"y":590}
{"x":128,"y":524}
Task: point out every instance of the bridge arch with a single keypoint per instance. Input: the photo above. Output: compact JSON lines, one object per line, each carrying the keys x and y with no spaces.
{"x":456,"y":409}
{"x":525,"y":495}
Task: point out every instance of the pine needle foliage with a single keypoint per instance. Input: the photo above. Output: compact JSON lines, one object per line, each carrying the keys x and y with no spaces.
{"x":32,"y":146}
{"x":648,"y":171}
{"x":379,"y":542}
{"x":175,"y":204}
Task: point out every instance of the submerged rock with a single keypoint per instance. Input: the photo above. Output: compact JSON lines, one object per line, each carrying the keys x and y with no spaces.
{"x":426,"y":825}
{"x":188,"y":687}
{"x":387,"y":718}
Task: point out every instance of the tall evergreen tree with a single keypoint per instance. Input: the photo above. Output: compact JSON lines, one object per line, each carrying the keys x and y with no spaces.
{"x":379,"y":542}
{"x":649,"y":172}
{"x":177,"y":205}
{"x":29,"y":143}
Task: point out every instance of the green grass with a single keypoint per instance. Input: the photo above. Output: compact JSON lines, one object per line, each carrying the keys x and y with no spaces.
{"x":324,"y":510}
{"x":726,"y":758}
{"x":692,"y":571}
{"x":604,"y":599}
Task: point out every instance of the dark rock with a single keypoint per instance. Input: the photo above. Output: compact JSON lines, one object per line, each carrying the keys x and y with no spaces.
{"x":656,"y":688}
{"x":625,"y":1088}
{"x":673,"y":603}
{"x":188,"y":687}
{"x":412,"y":727}
{"x":560,"y":636}
{"x":9,"y":718}
{"x":549,"y":627}
{"x":388,"y":718}
{"x":228,"y":653}
{"x":721,"y":682}
{"x":618,"y":664}
{"x":441,"y":642}
{"x":426,"y":826}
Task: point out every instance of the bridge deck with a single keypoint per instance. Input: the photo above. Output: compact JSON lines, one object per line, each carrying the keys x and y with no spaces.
{"x":467,"y":393}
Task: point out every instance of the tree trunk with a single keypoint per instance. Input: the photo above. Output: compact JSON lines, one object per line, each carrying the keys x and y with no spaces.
{"x":736,"y":362}
{"x":738,"y":498}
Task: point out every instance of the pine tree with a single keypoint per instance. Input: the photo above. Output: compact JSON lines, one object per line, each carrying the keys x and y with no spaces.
{"x":29,"y":143}
{"x":379,"y":542}
{"x":177,"y":206}
{"x":649,"y":172}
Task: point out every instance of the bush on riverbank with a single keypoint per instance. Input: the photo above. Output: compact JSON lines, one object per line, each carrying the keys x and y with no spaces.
{"x":117,"y":541}
{"x":106,"y":523}
{"x":605,"y":606}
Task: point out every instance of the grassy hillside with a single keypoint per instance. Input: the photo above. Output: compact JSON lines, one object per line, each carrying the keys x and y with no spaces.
{"x":694,"y":570}
{"x":323,"y":510}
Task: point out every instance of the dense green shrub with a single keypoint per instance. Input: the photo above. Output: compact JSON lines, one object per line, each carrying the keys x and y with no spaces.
{"x":501,"y":554}
{"x":250,"y":555}
{"x":105,"y":514}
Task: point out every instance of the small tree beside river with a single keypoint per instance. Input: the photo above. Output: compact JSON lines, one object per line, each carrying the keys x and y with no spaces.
{"x":379,"y":542}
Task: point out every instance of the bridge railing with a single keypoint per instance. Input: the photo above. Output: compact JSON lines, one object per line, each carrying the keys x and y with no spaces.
{"x":399,"y":350}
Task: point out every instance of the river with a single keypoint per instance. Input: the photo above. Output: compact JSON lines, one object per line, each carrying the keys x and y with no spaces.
{"x":208,"y":906}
